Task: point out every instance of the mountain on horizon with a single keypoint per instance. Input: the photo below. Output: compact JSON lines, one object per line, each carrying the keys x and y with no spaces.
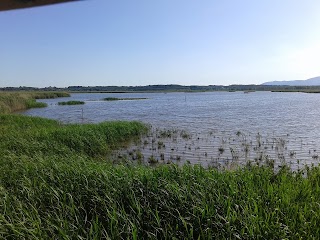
{"x":309,"y":82}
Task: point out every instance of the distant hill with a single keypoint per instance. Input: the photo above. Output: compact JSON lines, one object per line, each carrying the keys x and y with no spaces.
{"x":309,"y":82}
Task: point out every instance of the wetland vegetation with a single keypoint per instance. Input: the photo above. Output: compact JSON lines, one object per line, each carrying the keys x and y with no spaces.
{"x":216,"y":150}
{"x":17,"y":101}
{"x":59,"y":181}
{"x":121,"y":99}
{"x":71,"y":103}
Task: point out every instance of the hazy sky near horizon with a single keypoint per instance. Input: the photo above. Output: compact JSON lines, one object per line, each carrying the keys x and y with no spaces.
{"x":142,"y":42}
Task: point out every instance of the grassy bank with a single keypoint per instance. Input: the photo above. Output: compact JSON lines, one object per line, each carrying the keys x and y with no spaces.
{"x":56,"y":183}
{"x":16,"y":101}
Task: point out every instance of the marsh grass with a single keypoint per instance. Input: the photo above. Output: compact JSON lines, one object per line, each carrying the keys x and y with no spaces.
{"x":24,"y":135}
{"x":17,"y":101}
{"x":56,"y":183}
{"x":74,"y":197}
{"x":32,"y":103}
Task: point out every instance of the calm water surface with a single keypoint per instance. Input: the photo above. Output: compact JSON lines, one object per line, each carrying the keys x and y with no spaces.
{"x":210,"y":128}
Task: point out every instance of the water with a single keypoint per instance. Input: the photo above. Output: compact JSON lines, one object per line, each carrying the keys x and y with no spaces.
{"x":255,"y":126}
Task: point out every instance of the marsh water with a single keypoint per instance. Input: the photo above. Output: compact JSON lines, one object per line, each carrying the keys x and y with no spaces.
{"x":212,"y":128}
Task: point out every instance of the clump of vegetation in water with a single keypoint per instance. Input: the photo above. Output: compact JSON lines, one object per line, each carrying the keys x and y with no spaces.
{"x":121,"y":99}
{"x":152,"y":160}
{"x":185,"y":135}
{"x":32,"y":103}
{"x":71,"y":103}
{"x":161,"y":145}
{"x":221,"y":150}
{"x":139,"y":156}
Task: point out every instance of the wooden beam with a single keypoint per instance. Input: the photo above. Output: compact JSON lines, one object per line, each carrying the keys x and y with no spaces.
{"x":16,"y":4}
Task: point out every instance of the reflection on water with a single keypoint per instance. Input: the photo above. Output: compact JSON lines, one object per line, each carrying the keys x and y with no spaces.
{"x":208,"y":128}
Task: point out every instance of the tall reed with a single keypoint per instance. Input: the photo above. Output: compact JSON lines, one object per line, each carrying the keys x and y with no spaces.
{"x":76,"y":198}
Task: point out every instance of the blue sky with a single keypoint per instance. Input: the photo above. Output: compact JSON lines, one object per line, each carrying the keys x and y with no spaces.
{"x":142,"y":42}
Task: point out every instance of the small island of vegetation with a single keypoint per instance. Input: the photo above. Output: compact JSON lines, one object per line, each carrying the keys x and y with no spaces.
{"x":71,"y":103}
{"x":121,"y":99}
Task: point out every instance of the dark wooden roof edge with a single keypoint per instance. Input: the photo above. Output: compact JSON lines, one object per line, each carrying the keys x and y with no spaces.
{"x":17,"y":4}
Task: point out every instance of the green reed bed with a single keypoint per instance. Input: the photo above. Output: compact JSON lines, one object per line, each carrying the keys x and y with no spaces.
{"x":71,"y":103}
{"x":16,"y":101}
{"x":75,"y":198}
{"x":56,"y":183}
{"x":24,"y":135}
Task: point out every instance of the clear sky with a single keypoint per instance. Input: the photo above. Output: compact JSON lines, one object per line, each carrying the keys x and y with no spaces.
{"x":142,"y":42}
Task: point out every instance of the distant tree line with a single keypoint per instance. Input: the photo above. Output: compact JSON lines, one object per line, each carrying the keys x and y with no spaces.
{"x":170,"y":88}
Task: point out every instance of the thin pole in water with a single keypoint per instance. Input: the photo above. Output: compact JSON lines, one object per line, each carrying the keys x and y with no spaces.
{"x":82,"y":115}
